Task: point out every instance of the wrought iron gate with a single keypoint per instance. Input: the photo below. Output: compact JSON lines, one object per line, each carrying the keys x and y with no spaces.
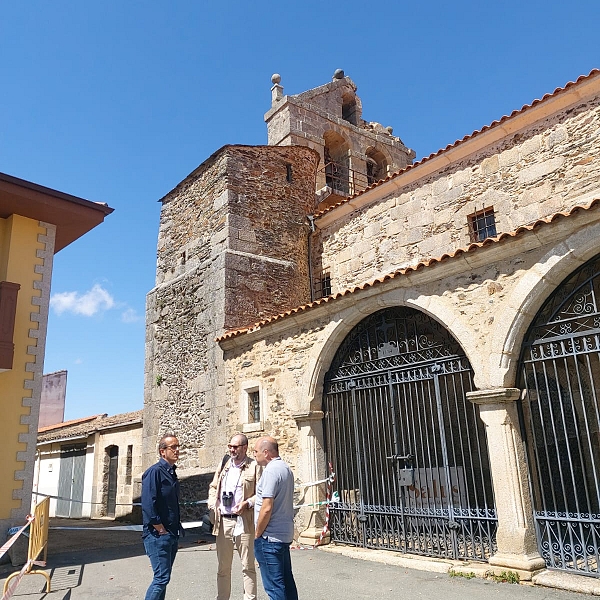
{"x":408,"y":449}
{"x":560,"y":371}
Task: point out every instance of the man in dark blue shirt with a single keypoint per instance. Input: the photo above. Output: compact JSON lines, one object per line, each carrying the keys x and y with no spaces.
{"x":160,"y":513}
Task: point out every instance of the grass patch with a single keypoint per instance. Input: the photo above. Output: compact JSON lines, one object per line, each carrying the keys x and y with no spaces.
{"x":468,"y":575}
{"x":504,"y":576}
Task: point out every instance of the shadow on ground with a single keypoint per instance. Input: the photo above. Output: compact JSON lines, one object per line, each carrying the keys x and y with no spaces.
{"x":85,"y":542}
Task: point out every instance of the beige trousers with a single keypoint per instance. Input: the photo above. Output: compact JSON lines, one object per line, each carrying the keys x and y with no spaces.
{"x":244,"y":544}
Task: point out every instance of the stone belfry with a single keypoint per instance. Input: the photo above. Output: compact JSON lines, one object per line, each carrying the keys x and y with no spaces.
{"x":354,"y":153}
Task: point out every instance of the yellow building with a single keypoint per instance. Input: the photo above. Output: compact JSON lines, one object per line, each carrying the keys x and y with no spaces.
{"x":35,"y":223}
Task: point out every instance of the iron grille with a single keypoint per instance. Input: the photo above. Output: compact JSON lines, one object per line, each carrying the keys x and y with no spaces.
{"x":560,"y":371}
{"x":408,"y":449}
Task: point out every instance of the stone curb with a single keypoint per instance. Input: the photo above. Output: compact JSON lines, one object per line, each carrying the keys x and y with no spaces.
{"x":551,"y":579}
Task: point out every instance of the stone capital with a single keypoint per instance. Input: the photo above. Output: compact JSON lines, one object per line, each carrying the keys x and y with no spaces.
{"x":309,"y":415}
{"x":494,"y":396}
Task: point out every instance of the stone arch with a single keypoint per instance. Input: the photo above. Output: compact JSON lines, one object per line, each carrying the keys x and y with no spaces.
{"x":402,"y":374}
{"x":377,"y":165}
{"x":336,"y":158}
{"x":350,"y":108}
{"x":535,"y":287}
{"x":346,"y":319}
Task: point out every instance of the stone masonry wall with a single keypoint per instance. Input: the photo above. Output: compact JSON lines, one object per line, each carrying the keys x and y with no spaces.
{"x":535,"y":173}
{"x":304,"y":120}
{"x":182,"y":312}
{"x":267,"y":253}
{"x":125,"y":491}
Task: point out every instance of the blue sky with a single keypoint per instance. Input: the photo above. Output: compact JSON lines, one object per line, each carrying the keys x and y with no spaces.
{"x":117,"y":101}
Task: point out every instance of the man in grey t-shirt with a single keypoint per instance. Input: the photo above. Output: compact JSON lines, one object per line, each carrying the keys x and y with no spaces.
{"x":274,"y":521}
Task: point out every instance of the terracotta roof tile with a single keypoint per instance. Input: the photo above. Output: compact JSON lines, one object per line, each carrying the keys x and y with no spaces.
{"x":492,"y":125}
{"x":420,"y":265}
{"x":68,"y":423}
{"x":86,"y":426}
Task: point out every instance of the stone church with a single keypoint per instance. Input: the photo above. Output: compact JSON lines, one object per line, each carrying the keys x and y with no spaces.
{"x":429,"y":331}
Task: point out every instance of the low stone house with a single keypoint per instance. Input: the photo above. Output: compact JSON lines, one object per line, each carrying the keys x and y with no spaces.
{"x":431,"y":335}
{"x":88,"y":466}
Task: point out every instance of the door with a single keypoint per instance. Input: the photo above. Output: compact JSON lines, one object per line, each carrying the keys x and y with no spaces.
{"x":113,"y":463}
{"x":71,"y":481}
{"x":409,"y":451}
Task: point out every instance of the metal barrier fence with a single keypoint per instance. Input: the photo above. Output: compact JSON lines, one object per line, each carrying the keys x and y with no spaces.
{"x":38,"y":545}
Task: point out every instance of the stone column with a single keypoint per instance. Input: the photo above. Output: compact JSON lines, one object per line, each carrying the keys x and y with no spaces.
{"x":311,"y":468}
{"x":517,"y":544}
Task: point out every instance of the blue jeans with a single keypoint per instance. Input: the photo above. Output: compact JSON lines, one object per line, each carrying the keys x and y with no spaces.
{"x":161,"y":550}
{"x":275,"y":569}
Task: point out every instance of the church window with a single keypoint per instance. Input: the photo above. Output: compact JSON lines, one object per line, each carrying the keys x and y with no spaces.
{"x":289,"y":173}
{"x":254,"y":406}
{"x":325,"y":285}
{"x":482,"y":224}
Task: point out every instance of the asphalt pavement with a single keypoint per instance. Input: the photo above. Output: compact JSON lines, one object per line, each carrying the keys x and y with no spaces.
{"x":93,"y":564}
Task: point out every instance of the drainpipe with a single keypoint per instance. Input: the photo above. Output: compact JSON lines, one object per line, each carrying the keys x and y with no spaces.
{"x":311,"y":221}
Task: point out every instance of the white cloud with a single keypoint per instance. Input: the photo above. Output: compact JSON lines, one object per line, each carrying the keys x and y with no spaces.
{"x":88,"y":304}
{"x":130,"y":316}
{"x":78,"y":361}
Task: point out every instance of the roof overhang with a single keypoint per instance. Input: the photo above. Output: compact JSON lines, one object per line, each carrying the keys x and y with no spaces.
{"x":72,"y":216}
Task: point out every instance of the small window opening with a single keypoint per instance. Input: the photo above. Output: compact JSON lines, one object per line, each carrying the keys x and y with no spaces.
{"x":129,"y":465}
{"x":254,"y":406}
{"x":482,"y":224}
{"x":289,"y":173}
{"x":183,"y":257}
{"x":323,"y":286}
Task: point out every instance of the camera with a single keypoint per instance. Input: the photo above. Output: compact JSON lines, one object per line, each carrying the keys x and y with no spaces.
{"x":227,"y":499}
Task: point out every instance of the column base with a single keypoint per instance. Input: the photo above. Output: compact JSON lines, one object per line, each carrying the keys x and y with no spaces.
{"x":311,"y":535}
{"x":525,"y":565}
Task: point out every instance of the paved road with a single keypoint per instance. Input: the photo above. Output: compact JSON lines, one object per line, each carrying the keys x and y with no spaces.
{"x":96,"y":564}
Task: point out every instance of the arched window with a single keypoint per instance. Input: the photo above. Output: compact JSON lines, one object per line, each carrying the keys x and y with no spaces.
{"x":336,"y":162}
{"x":377,"y":165}
{"x":349,"y":109}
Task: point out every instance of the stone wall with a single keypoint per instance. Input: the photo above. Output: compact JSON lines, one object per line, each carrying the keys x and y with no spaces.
{"x":549,"y":167}
{"x":122,"y":438}
{"x":271,"y":190}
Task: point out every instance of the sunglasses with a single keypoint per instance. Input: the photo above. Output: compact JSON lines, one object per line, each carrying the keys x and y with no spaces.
{"x":234,"y":447}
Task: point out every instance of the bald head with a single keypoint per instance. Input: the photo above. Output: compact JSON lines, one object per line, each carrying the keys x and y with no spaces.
{"x":265,"y":450}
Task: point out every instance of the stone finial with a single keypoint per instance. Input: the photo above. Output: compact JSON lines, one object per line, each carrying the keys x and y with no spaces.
{"x":276,"y":90}
{"x":390,"y":130}
{"x":339,"y":74}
